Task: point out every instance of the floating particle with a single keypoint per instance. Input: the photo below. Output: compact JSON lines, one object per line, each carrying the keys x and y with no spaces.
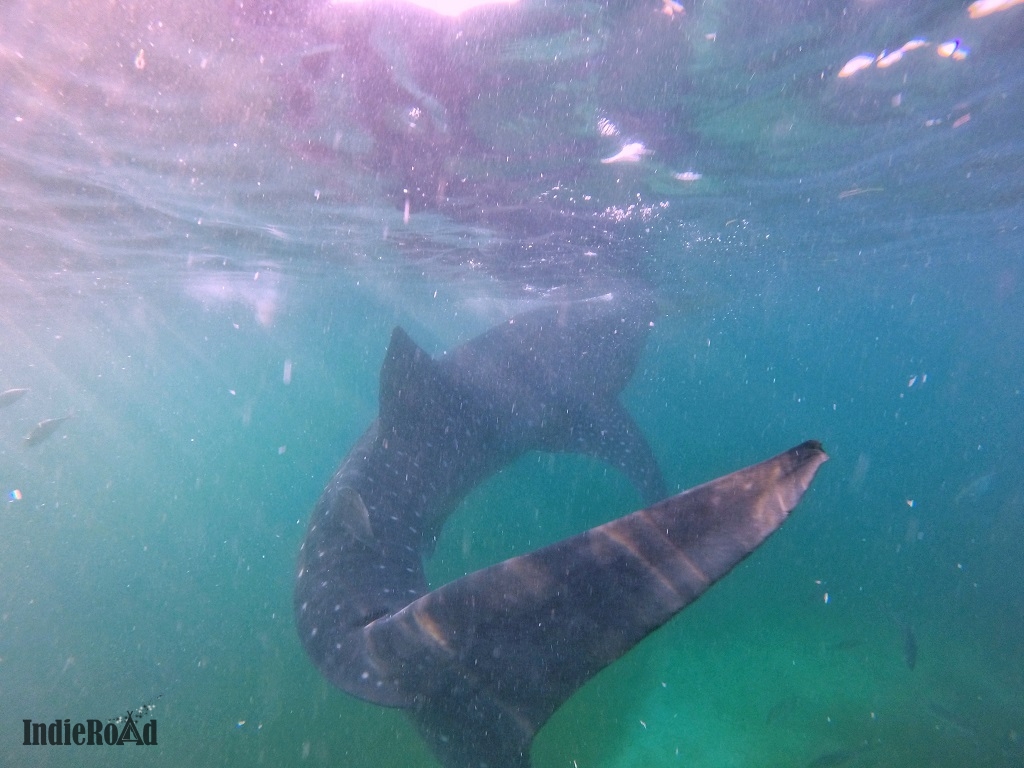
{"x":140,"y":59}
{"x":688,"y":176}
{"x":287,"y":371}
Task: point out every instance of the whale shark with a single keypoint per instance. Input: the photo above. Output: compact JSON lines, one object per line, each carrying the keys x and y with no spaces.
{"x":481,"y":663}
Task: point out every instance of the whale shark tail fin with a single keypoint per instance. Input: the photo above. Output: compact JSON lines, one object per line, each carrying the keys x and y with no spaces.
{"x":605,"y":430}
{"x":418,"y":394}
{"x":492,"y":655}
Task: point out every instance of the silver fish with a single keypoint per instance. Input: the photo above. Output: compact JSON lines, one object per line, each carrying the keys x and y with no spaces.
{"x":11,"y":395}
{"x":44,"y":429}
{"x":909,"y":646}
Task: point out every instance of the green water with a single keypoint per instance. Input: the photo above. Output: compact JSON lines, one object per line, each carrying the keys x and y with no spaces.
{"x":153,"y":550}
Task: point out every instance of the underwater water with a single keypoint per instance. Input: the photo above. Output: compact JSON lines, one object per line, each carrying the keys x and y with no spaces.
{"x":211,"y":220}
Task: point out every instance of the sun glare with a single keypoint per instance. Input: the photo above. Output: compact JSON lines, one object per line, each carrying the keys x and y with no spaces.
{"x":442,"y":7}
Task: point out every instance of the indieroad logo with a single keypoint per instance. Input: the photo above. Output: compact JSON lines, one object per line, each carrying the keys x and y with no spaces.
{"x":129,"y":728}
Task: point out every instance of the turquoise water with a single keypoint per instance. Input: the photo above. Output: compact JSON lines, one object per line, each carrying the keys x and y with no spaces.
{"x":204,"y":250}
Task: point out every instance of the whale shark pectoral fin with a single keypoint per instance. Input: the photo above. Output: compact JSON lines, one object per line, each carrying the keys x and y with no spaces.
{"x":607,"y":432}
{"x":492,"y":655}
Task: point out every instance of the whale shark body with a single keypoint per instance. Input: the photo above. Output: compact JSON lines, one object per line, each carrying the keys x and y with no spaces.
{"x":481,"y":663}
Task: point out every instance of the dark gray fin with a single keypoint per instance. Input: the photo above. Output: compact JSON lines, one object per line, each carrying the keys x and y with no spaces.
{"x":405,"y":371}
{"x":492,"y":655}
{"x":607,"y":432}
{"x":418,"y":393}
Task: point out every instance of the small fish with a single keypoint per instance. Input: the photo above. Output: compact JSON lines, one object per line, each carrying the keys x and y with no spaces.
{"x":888,"y":58}
{"x":43,"y":430}
{"x":909,"y":646}
{"x":856,"y":64}
{"x":847,"y":644}
{"x":11,"y":395}
{"x":981,"y":8}
{"x":913,"y":45}
{"x":974,"y":490}
{"x":951,"y":719}
{"x":952,"y":49}
{"x":783,"y":710}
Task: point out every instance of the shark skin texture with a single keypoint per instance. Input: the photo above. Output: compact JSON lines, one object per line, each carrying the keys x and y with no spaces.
{"x":481,"y":663}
